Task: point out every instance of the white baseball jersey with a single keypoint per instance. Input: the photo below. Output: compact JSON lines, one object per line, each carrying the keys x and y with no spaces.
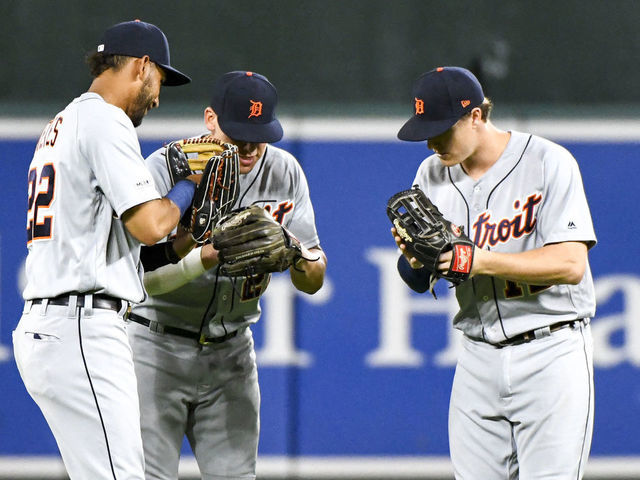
{"x":278,"y":183}
{"x":532,"y":196}
{"x":75,"y":358}
{"x":523,"y":410}
{"x":210,"y":393}
{"x":78,"y":189}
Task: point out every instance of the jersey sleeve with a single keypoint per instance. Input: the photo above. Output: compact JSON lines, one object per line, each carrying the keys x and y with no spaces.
{"x":302,"y":223}
{"x":423,"y":178}
{"x":111,"y":146}
{"x":564,"y":215}
{"x":157,"y":165}
{"x":420,"y":178}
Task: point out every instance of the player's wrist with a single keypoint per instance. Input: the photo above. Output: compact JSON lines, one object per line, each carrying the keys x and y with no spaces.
{"x":182,"y":194}
{"x":192,"y":265}
{"x":170,"y":253}
{"x":208,"y":256}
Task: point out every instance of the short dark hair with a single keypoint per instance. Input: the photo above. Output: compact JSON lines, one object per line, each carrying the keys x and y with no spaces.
{"x":485,"y":109}
{"x":99,"y":62}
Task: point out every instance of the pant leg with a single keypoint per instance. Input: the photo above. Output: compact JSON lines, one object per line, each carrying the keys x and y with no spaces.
{"x":78,"y":369}
{"x":480,"y":437}
{"x":165,"y":368}
{"x":554,"y":404}
{"x":224,"y":424}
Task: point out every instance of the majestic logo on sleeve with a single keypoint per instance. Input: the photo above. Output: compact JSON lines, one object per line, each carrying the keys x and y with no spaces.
{"x":256,"y":109}
{"x":501,"y":231}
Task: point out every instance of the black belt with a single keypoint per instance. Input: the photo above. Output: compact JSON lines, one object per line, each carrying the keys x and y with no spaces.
{"x":201,"y":339}
{"x":98,"y":301}
{"x":531,"y":334}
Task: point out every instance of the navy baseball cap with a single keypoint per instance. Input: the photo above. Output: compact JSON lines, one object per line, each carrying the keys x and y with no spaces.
{"x":245,"y":103}
{"x":137,"y":39}
{"x":441,"y":97}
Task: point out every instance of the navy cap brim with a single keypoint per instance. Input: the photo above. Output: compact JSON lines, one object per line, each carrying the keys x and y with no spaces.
{"x":253,"y":132}
{"x":418,"y":130}
{"x":173,"y":77}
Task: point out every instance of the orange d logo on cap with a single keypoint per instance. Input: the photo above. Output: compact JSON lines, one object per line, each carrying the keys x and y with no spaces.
{"x":256,"y":109}
{"x":419,"y":106}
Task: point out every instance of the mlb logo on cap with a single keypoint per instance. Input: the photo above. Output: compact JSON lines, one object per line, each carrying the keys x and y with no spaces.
{"x":137,"y":39}
{"x":440,"y":98}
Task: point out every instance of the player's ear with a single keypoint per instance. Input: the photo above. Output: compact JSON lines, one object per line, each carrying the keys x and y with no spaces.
{"x":142,"y":67}
{"x":476,"y":116}
{"x":210,"y":119}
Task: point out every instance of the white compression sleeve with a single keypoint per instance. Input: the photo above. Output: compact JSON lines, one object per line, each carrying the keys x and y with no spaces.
{"x":174,"y":275}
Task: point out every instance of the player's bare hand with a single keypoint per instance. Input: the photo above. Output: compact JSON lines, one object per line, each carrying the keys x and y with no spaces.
{"x":182,"y":241}
{"x":413,"y":262}
{"x":195,"y":178}
{"x":444,"y":261}
{"x":208,"y":256}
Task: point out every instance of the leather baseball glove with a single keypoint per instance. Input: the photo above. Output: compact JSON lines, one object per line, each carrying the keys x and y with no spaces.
{"x":427,"y":234}
{"x":216,"y":193}
{"x":250,"y":242}
{"x":190,"y":155}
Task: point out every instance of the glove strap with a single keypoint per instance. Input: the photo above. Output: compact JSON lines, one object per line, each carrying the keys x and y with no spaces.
{"x":302,"y":257}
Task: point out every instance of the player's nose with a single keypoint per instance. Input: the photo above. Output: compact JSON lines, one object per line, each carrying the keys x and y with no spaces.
{"x":246,"y":148}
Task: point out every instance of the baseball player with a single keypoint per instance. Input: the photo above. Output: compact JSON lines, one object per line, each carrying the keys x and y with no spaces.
{"x":191,"y":339}
{"x":522,"y":397}
{"x":92,"y":202}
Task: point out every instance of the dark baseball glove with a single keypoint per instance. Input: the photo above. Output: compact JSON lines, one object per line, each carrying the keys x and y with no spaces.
{"x":216,"y":193}
{"x":250,"y":242}
{"x":190,"y":155}
{"x":427,"y":234}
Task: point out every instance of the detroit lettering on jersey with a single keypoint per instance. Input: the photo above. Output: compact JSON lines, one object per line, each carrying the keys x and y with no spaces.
{"x":280,"y":211}
{"x":493,"y":232}
{"x":279,"y":185}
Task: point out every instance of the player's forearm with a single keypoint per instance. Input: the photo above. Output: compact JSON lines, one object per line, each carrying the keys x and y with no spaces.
{"x":152,"y":221}
{"x":158,"y":255}
{"x":554,"y":264}
{"x":174,"y":275}
{"x":306,"y":275}
{"x":183,"y":243}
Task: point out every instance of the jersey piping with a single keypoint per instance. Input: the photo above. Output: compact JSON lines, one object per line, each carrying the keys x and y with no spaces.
{"x":493,"y":280}
{"x":589,"y":410}
{"x":264,"y":155}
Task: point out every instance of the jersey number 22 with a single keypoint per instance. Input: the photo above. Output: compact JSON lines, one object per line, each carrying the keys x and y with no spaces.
{"x":41,"y":193}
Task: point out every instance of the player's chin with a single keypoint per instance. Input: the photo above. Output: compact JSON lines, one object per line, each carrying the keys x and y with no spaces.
{"x":448,"y":160}
{"x":246,"y":164}
{"x":137,"y":120}
{"x":137,"y":116}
